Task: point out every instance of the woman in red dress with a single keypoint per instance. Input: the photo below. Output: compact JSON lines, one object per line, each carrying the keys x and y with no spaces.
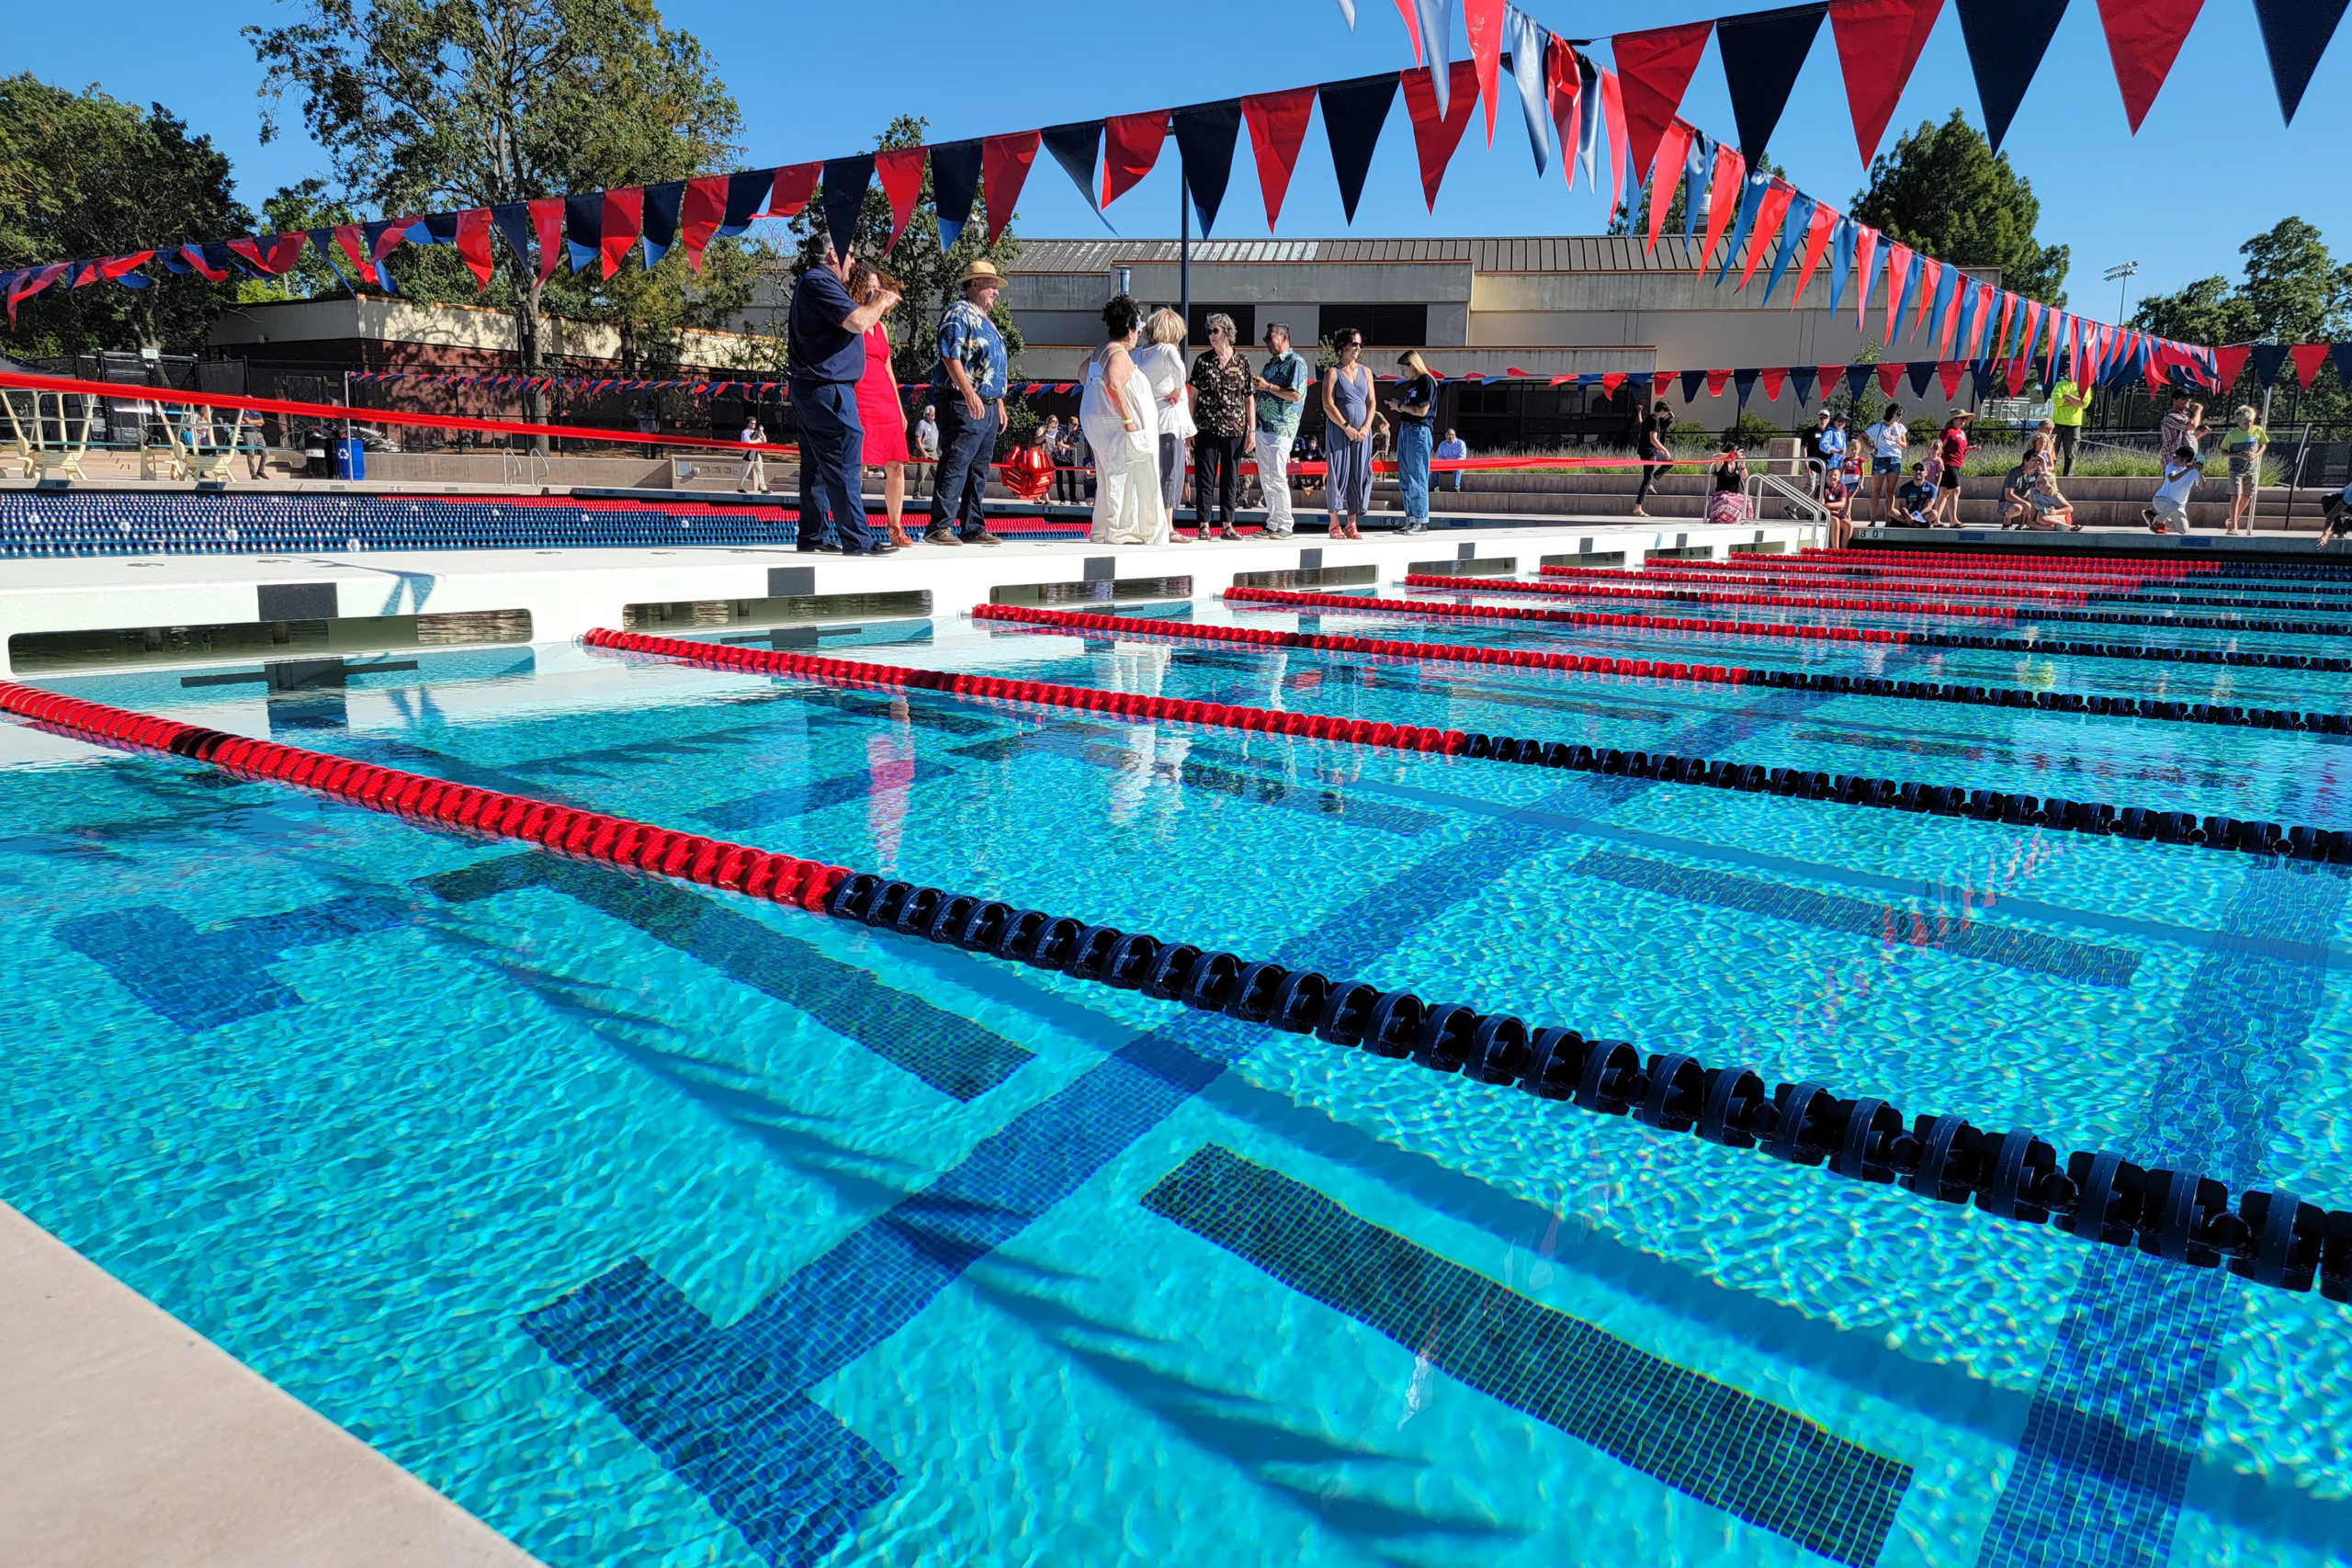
{"x":883,"y":417}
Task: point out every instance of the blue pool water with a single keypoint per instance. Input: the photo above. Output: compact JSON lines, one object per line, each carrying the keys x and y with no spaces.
{"x":658,"y":1226}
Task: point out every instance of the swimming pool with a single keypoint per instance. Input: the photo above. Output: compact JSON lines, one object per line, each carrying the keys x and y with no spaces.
{"x":655,"y":1224}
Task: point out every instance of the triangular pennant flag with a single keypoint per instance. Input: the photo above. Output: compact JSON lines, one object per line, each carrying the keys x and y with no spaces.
{"x":583,"y":228}
{"x":1947,"y":376}
{"x":1947,"y":308}
{"x":1652,"y":68}
{"x":474,"y":245}
{"x":748,"y":195}
{"x":1825,"y":226}
{"x":2230,"y":363}
{"x":1698,"y":169}
{"x":624,"y":221}
{"x":2007,"y":39}
{"x":900,"y":169}
{"x":1277,"y":124}
{"x":1793,"y":231}
{"x":1564,"y":98}
{"x":794,"y":188}
{"x":703,"y":209}
{"x":1742,"y":379}
{"x":1672,"y":148}
{"x":662,"y":206}
{"x":1921,"y":371}
{"x":1723,"y":198}
{"x":2294,"y":34}
{"x":284,"y":251}
{"x":1878,"y":43}
{"x":1890,"y":377}
{"x":847,"y":180}
{"x":1621,"y":156}
{"x":1435,"y":133}
{"x":1715,"y":380}
{"x":1751,"y":203}
{"x":2144,"y":39}
{"x":1762,"y":52}
{"x":954,"y":187}
{"x":1857,"y":378}
{"x":1691,"y":381}
{"x":1924,"y":287}
{"x":1770,"y":213}
{"x":1131,"y":145}
{"x":1204,"y":137}
{"x":513,"y":219}
{"x":1482,"y":23}
{"x":1997,"y":344}
{"x":2342,"y":355}
{"x":2029,"y":334}
{"x":1801,"y":378}
{"x":1865,"y":250}
{"x":1004,"y":166}
{"x":1527,"y":69}
{"x":1841,"y":259}
{"x":1610,"y":382}
{"x":1775,"y":378}
{"x":1437,"y":38}
{"x":1347,"y":9}
{"x":2015,"y":380}
{"x":1353,"y":112}
{"x":2307,"y":358}
{"x":1412,"y":27}
{"x":1075,"y":147}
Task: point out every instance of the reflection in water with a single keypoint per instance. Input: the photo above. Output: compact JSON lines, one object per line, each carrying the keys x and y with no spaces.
{"x":890,"y":771}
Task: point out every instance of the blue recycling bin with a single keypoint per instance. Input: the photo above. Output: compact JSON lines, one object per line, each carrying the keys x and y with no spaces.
{"x":350,"y":458}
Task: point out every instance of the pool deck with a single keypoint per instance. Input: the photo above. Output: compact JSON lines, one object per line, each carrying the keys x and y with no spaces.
{"x":132,"y":1439}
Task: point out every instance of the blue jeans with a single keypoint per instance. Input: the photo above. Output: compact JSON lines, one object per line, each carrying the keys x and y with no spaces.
{"x":966,"y":445}
{"x":832,"y":502}
{"x":1413,"y":469}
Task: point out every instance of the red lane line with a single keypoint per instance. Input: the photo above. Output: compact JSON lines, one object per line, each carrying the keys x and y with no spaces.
{"x":991,"y":688}
{"x":1581,"y":590}
{"x":1523,"y":659}
{"x":1280,"y":597}
{"x":2089,"y":578}
{"x":584,"y":835}
{"x":1705,"y":577}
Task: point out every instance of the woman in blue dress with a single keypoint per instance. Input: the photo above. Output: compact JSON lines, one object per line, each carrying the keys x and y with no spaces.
{"x":1348,"y":421}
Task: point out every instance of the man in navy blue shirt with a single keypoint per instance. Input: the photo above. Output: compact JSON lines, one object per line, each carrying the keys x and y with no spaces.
{"x":826,"y":344}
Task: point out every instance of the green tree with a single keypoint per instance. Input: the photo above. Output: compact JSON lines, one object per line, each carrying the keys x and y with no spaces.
{"x":425,"y":104}
{"x":2207,"y":311}
{"x":931,"y":277}
{"x":304,"y":205}
{"x":1944,"y":191}
{"x":2294,"y":290}
{"x":83,"y":175}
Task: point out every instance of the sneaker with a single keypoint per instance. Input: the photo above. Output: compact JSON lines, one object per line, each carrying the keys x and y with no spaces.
{"x":941,"y":537}
{"x":984,"y":537}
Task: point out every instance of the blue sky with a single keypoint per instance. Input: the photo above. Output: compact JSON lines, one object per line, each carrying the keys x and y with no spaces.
{"x":2211,"y":165}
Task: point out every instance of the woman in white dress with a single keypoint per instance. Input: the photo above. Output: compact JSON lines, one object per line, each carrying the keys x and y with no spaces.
{"x":1116,"y":413}
{"x":1162,"y":364}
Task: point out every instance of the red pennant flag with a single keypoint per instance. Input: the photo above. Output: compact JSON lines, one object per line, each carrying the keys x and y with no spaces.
{"x":1898,"y":266}
{"x":1724,"y":193}
{"x":1769,"y":213}
{"x":794,"y":188}
{"x":1130,"y":146}
{"x":113,"y":268}
{"x":701,"y":212}
{"x":1716,"y":379}
{"x":625,"y":211}
{"x":1563,"y":89}
{"x":2030,"y":334}
{"x":1817,"y":241}
{"x":1610,"y":382}
{"x":2307,"y":358}
{"x":546,"y":225}
{"x":1562,"y":380}
{"x":1434,"y":136}
{"x":2001,"y":333}
{"x":1412,"y":27}
{"x":354,"y":243}
{"x":901,"y":173}
{"x":1005,"y":162}
{"x":2143,"y":38}
{"x":474,"y":245}
{"x":1482,"y":21}
{"x":2230,"y":362}
{"x":1878,"y":44}
{"x":1277,"y":124}
{"x":32,"y":283}
{"x":1654,"y":67}
{"x":389,"y":240}
{"x":1889,"y":376}
{"x":283,"y":253}
{"x":1865,"y":248}
{"x":1947,"y":375}
{"x":1613,"y":111}
{"x":1668,"y":168}
{"x":1931,"y":277}
{"x":1772,"y":376}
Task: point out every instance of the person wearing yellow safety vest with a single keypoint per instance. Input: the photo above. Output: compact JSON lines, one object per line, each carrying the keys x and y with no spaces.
{"x":2067,"y":403}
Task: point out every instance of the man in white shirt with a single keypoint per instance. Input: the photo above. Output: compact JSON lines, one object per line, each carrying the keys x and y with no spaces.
{"x":755,"y":467}
{"x":2170,"y":513}
{"x":1889,"y":438}
{"x":927,"y":445}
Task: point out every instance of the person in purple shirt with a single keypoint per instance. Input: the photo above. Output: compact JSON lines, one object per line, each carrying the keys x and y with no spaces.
{"x":825,"y":341}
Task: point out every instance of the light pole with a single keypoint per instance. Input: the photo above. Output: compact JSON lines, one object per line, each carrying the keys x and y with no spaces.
{"x":2120,"y":275}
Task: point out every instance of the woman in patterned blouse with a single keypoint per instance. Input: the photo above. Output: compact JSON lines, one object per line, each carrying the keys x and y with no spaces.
{"x":1222,"y":408}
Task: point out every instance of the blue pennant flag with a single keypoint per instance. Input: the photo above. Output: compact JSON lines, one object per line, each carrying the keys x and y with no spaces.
{"x":1793,"y":237}
{"x":1841,"y":259}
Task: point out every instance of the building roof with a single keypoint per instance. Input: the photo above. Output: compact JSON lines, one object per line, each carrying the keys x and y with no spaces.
{"x":1566,"y":252}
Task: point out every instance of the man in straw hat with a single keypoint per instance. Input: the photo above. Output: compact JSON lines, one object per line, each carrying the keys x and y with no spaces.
{"x":969,"y":388}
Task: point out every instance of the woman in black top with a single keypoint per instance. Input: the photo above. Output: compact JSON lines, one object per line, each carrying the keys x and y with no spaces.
{"x":1649,"y":444}
{"x":1413,"y":404}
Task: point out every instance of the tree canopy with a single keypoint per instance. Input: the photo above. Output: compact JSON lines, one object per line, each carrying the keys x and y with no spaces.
{"x":1943,"y":190}
{"x":81,"y":175}
{"x":2292,"y":289}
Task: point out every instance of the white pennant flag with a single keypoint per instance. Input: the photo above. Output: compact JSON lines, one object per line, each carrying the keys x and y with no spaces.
{"x":1527,"y":41}
{"x":1437,"y":47}
{"x":1347,"y":9}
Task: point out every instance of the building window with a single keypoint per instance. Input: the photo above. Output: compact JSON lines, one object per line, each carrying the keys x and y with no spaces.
{"x":1384,"y":326}
{"x":1245,"y":323}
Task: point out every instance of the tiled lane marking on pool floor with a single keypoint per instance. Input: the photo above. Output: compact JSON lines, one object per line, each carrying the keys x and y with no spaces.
{"x":948,"y":1053}
{"x":1727,"y":1449}
{"x":843,"y":1303}
{"x":2119,"y":1412}
{"x":202,"y":979}
{"x":2032,"y":952}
